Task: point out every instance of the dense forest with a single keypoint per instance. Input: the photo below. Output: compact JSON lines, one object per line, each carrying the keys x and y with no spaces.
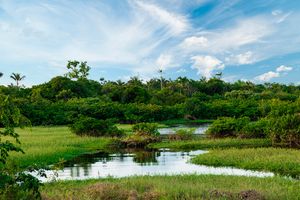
{"x":64,"y":98}
{"x":243,"y":109}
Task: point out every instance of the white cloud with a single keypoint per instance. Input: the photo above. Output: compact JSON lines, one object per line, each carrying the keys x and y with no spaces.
{"x":244,"y":32}
{"x":177,"y":23}
{"x":241,"y":59}
{"x":164,"y":61}
{"x":283,"y":68}
{"x":267,"y":76}
{"x":206,"y":65}
{"x":195,"y":42}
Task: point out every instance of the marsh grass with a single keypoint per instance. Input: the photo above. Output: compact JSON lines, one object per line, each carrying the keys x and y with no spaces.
{"x":172,"y":187}
{"x":278,"y":160}
{"x":205,"y":143}
{"x":49,"y":145}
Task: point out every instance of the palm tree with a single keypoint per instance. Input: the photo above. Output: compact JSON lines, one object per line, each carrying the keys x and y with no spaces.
{"x":17,"y":77}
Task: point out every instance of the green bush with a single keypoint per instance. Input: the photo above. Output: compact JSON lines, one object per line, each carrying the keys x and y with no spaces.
{"x":227,"y":126}
{"x":285,"y":130}
{"x":183,"y":134}
{"x":256,"y":129}
{"x":143,"y":134}
{"x":95,"y":127}
{"x":150,"y":129}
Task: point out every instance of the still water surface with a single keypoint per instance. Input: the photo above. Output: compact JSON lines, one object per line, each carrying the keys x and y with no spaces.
{"x":199,"y":129}
{"x":141,"y":162}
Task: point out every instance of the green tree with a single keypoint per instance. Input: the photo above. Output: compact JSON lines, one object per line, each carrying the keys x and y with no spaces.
{"x":13,"y":185}
{"x":17,"y":77}
{"x":78,"y":70}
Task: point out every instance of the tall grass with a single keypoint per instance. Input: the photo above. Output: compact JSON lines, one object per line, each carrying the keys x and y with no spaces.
{"x":172,"y":187}
{"x":47,"y":145}
{"x":204,"y":143}
{"x":280,"y":161}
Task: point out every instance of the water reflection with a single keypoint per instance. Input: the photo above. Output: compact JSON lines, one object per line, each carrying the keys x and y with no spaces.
{"x":199,"y":129}
{"x":141,"y":162}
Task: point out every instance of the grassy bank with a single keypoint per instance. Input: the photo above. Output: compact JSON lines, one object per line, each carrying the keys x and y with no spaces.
{"x":47,"y":145}
{"x":280,"y":161}
{"x":202,"y":143}
{"x":174,"y":187}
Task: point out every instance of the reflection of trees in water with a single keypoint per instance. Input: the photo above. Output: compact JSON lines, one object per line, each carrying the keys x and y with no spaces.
{"x":146,"y":157}
{"x":84,"y":162}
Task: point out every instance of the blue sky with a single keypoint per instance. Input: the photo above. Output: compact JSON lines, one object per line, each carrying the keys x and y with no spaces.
{"x":257,"y":40}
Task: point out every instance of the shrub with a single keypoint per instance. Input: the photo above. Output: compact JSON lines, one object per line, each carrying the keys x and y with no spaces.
{"x":183,"y":134}
{"x":95,"y":127}
{"x":136,"y":140}
{"x":256,"y":129}
{"x":150,"y":129}
{"x":285,"y":130}
{"x":227,"y":126}
{"x":143,"y":134}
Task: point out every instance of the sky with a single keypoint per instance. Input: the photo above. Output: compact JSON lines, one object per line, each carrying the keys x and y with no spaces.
{"x":257,"y":40}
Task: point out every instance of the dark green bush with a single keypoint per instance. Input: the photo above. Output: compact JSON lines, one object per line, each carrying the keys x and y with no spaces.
{"x":183,"y":134}
{"x":95,"y":127}
{"x":285,"y":130}
{"x":143,"y":134}
{"x":227,"y":126}
{"x":256,"y":129}
{"x":150,"y":129}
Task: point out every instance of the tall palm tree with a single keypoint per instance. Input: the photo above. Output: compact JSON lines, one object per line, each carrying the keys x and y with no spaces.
{"x":17,"y":77}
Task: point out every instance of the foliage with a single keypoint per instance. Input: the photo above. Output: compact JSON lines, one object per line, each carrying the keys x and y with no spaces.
{"x":257,"y":129}
{"x":95,"y":127}
{"x":182,"y":134}
{"x":285,"y":130}
{"x":17,"y":77}
{"x":79,"y":70}
{"x":150,"y":129}
{"x":227,"y":127}
{"x":138,"y":141}
{"x":13,"y":185}
{"x":9,"y":117}
{"x":143,"y":134}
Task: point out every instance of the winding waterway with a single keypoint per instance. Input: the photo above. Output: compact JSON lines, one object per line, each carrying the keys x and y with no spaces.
{"x":140,"y":162}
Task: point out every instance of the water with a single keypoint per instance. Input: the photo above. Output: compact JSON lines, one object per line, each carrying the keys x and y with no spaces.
{"x":140,"y":162}
{"x":199,"y":129}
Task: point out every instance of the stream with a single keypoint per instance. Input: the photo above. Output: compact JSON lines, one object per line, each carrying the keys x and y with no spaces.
{"x":140,"y":162}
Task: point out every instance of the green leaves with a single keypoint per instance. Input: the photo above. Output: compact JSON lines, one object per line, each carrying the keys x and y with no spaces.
{"x":78,"y":70}
{"x":10,"y":117}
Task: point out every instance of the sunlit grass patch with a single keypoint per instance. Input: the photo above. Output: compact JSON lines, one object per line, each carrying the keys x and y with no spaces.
{"x":174,"y":187}
{"x":47,"y":145}
{"x":277,"y":160}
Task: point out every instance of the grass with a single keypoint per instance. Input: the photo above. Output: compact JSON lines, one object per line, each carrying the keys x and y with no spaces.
{"x":172,"y":187}
{"x":277,"y":160}
{"x":48,"y":145}
{"x":204,"y":143}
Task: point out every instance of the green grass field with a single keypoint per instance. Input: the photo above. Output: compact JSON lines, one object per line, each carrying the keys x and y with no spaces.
{"x":173,"y":187}
{"x":277,"y":160}
{"x":47,"y":145}
{"x":202,"y":143}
